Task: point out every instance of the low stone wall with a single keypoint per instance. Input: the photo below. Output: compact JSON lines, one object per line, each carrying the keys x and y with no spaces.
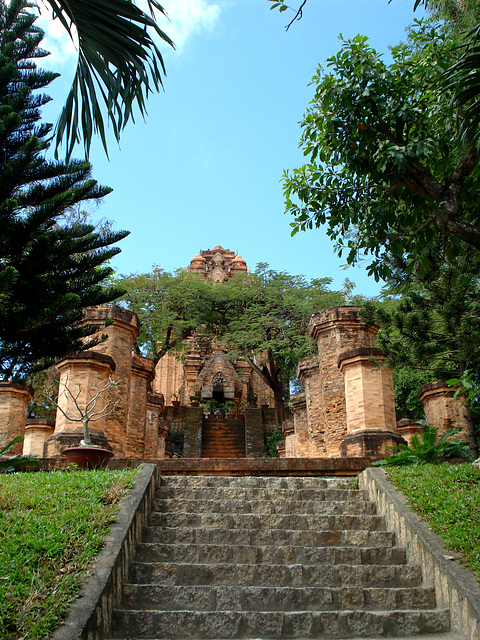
{"x":90,"y":615}
{"x":455,"y":586}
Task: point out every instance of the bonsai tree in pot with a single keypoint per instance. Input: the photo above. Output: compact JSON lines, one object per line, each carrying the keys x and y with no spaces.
{"x":97,"y":407}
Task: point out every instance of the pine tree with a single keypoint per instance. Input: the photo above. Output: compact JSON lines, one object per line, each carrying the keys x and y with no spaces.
{"x":50,"y":269}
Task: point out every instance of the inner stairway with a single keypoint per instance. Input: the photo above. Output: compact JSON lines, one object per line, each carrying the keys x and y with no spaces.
{"x":270,"y":557}
{"x":223,"y":438}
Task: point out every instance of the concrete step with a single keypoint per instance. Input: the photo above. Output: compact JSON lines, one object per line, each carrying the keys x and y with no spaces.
{"x":268,"y":521}
{"x":256,"y":493}
{"x":213,"y":598}
{"x":276,"y":537}
{"x":267,"y":482}
{"x":267,"y":624}
{"x":275,"y":575}
{"x":268,"y":554}
{"x":265,"y":507}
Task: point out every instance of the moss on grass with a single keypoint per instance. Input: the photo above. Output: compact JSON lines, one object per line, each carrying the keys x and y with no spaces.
{"x":51,"y":527}
{"x":448,"y":498}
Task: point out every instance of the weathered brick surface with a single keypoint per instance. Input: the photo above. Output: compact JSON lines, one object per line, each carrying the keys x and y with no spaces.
{"x":337,"y":330}
{"x":121,"y":335}
{"x":407,"y":428}
{"x":442,"y":410}
{"x":37,"y":432}
{"x":83,"y":374}
{"x":192,"y":444}
{"x":254,"y":433}
{"x":311,"y":440}
{"x":142,"y":374}
{"x":154,"y":436}
{"x":14,"y":399}
{"x":369,"y":398}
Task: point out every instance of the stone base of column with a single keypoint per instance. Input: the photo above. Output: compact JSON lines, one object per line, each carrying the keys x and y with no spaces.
{"x":192,"y":439}
{"x":37,"y":432}
{"x":370,"y":443}
{"x":65,"y":439}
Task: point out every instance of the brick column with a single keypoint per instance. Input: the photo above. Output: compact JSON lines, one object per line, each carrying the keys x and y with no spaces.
{"x":336,"y":330}
{"x":191,"y":366}
{"x":81,"y":373}
{"x":407,"y":428}
{"x":289,"y":442}
{"x":154,"y":448}
{"x":14,"y":398}
{"x":143,"y":371}
{"x":311,"y":436}
{"x":370,"y":405}
{"x":442,"y":410}
{"x":122,"y":333}
{"x":37,"y":432}
{"x":255,"y":447}
{"x":192,"y":439}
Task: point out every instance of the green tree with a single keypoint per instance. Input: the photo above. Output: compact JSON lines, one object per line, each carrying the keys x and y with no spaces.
{"x":267,"y":323}
{"x":388,"y":172}
{"x":433,"y":331}
{"x":49,"y":270}
{"x":262,"y":317}
{"x":119,"y":64}
{"x":172,"y":307}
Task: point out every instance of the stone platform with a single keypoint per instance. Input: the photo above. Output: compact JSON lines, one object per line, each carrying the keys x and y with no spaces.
{"x":280,"y":467}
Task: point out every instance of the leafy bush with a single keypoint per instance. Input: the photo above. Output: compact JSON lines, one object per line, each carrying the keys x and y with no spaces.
{"x":8,"y":465}
{"x":271,"y":443}
{"x":427,"y":450}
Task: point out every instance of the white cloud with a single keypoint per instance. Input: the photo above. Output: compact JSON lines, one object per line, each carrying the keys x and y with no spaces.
{"x":189,"y":18}
{"x":186,"y":19}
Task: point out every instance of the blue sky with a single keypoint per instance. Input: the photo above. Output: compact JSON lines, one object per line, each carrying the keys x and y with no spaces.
{"x":204,"y":168}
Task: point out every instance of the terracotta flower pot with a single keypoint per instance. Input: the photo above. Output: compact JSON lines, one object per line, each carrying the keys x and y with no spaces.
{"x":176,"y":403}
{"x":88,"y":457}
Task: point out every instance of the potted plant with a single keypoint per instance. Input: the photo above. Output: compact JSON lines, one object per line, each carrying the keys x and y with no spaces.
{"x":251,"y":399}
{"x":196,"y":399}
{"x":87,"y":455}
{"x":175,"y":400}
{"x":220,"y":412}
{"x":230,"y":409}
{"x":264,"y":403}
{"x":212,"y":405}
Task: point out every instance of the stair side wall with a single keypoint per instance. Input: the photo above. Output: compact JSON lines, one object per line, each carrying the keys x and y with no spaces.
{"x":456,"y":587}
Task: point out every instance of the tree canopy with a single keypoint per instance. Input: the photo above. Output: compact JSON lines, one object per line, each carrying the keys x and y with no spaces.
{"x":388,"y":173}
{"x":261,"y":317}
{"x":50,"y":269}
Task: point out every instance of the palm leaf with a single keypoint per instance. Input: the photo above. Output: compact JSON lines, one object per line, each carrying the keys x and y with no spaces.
{"x":119,"y":64}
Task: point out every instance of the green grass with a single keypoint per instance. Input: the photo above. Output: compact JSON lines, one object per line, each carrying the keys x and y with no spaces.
{"x":448,"y":498}
{"x":51,"y":527}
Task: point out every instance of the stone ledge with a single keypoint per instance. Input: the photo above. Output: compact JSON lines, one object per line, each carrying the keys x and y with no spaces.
{"x":455,"y":586}
{"x":89,"y":617}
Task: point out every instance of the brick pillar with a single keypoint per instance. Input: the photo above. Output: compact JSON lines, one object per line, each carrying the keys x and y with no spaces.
{"x":311,"y":437}
{"x":288,"y":431}
{"x":370,"y":405}
{"x":37,"y":432}
{"x":191,"y":367}
{"x":192,"y":439}
{"x":81,"y":373}
{"x":442,"y":410}
{"x":407,"y":428}
{"x":154,"y":404}
{"x":14,"y":399}
{"x":336,"y":330}
{"x":122,"y":333}
{"x":255,"y":447}
{"x":143,"y":371}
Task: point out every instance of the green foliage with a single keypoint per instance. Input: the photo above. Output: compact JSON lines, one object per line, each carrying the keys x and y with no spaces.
{"x":271,"y":443}
{"x":119,"y":64}
{"x":448,"y":497}
{"x":427,"y":450}
{"x":51,"y":527}
{"x":13,"y":463}
{"x":50,"y":270}
{"x":387,"y":175}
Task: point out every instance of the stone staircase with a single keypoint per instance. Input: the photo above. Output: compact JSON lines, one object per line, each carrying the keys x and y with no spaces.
{"x":270,"y":557}
{"x":223,"y":438}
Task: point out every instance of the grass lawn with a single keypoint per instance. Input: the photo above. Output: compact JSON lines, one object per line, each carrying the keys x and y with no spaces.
{"x":51,"y":526}
{"x":448,"y":498}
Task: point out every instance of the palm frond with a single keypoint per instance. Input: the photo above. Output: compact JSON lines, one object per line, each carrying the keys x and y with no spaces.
{"x":119,"y":64}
